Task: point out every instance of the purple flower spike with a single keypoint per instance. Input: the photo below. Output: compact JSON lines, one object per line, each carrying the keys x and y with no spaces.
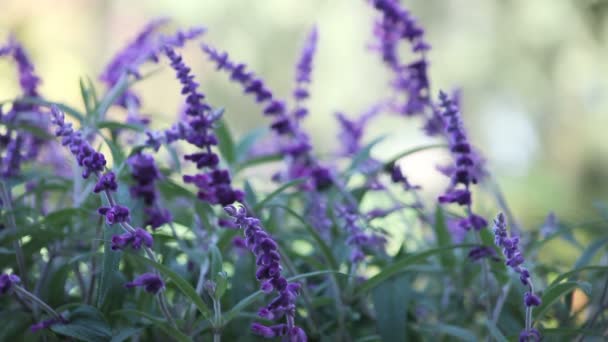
{"x":180,"y":38}
{"x":115,"y":214}
{"x":7,"y":281}
{"x":411,"y":80}
{"x":107,"y":182}
{"x":303,"y":73}
{"x":92,"y":161}
{"x":20,"y":146}
{"x":134,"y":53}
{"x":251,"y":84}
{"x":269,"y":274}
{"x":149,"y":281}
{"x":515,"y":260}
{"x":27,"y":78}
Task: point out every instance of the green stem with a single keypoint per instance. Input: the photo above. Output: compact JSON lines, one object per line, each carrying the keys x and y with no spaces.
{"x":162,"y":303}
{"x":35,"y":300}
{"x":217,"y":319}
{"x":6,"y":199}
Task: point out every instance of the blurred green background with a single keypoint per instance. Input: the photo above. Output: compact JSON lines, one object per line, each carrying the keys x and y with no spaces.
{"x":533,"y":75}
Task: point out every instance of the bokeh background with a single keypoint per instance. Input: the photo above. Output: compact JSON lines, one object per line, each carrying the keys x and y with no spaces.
{"x":534,"y":77}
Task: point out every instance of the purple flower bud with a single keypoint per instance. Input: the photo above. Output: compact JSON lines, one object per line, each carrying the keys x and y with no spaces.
{"x":460,"y":196}
{"x":156,"y":217}
{"x":268,"y":272}
{"x":529,"y":335}
{"x":262,"y":330}
{"x":115,"y":214}
{"x":7,"y":281}
{"x":136,"y":239}
{"x":149,"y":281}
{"x":530,"y":299}
{"x":481,"y":252}
{"x":322,"y":178}
{"x":107,"y":182}
{"x":45,"y":324}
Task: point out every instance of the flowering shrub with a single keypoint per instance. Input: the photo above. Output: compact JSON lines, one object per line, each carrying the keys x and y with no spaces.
{"x":131,"y":244}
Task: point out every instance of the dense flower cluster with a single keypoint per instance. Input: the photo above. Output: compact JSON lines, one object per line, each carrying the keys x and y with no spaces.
{"x":17,"y":146}
{"x":295,"y":142}
{"x":268,"y":272}
{"x":214,"y":185}
{"x":92,"y":161}
{"x":145,"y":47}
{"x":145,"y":173}
{"x":462,"y":176}
{"x":515,"y":260}
{"x":411,"y":79}
{"x":341,"y":204}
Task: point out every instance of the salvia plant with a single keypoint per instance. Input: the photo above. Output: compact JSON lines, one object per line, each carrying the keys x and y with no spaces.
{"x":113,"y":231}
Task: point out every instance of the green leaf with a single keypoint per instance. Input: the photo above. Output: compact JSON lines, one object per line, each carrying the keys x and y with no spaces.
{"x":391,"y":301}
{"x":113,"y":94}
{"x":64,"y":108}
{"x":250,"y":196}
{"x":364,"y":154}
{"x":495,"y":332}
{"x":443,"y":239}
{"x":551,"y":295}
{"x":391,"y":162}
{"x":451,"y":330}
{"x":246,"y":143}
{"x":400,"y":265}
{"x":216,"y":260}
{"x":86,"y":97}
{"x":277,"y":192}
{"x":325,"y":250}
{"x":15,"y":325}
{"x":590,"y":252}
{"x":259,"y":160}
{"x":92,"y":92}
{"x":113,"y":125}
{"x":181,"y":284}
{"x":575,"y":271}
{"x":86,"y":323}
{"x":125,"y":333}
{"x":245,"y":302}
{"x":225,"y":141}
{"x":158,"y":322}
{"x":109,"y":266}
